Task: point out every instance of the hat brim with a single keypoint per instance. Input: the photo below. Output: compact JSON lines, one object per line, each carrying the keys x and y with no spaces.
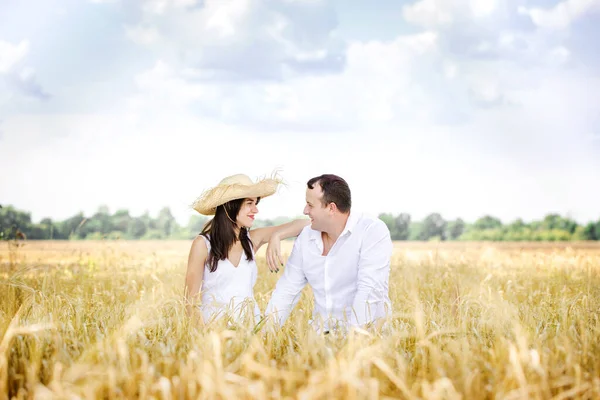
{"x":208,"y":202}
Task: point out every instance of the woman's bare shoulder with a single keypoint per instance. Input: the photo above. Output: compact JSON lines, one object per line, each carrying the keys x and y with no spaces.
{"x":199,"y":244}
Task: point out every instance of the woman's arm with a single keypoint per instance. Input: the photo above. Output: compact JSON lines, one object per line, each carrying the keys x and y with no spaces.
{"x":194,"y":277}
{"x":261,"y":236}
{"x":273,"y":235}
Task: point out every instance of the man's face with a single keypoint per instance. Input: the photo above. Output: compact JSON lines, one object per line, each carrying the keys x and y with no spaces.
{"x":318,"y":213}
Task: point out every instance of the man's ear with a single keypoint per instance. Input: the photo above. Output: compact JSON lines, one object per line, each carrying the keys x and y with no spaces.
{"x":332,"y":207}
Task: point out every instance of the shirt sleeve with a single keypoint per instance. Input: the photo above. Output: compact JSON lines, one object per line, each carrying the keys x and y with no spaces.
{"x":288,"y":288}
{"x":371,"y":298}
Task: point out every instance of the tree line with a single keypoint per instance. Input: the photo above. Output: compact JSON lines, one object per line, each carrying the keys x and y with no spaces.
{"x":103,"y":224}
{"x":553,"y":227}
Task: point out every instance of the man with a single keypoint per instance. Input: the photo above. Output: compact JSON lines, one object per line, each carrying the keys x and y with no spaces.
{"x":344,"y":256}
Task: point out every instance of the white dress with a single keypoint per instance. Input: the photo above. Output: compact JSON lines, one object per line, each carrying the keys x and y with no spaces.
{"x":229,"y":290}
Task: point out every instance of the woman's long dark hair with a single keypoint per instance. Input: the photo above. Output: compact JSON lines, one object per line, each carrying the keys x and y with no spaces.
{"x":221,"y":233}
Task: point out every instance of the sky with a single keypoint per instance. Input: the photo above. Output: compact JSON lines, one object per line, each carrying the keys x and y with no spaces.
{"x":462,"y":107}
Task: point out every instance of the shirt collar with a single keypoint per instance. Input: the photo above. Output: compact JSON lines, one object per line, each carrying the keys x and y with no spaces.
{"x":350,"y":224}
{"x":314,"y":234}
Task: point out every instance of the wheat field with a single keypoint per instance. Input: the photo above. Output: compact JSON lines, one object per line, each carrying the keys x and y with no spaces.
{"x":471,"y":321}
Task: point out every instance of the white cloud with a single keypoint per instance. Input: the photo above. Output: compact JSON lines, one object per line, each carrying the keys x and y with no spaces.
{"x":486,"y":54}
{"x":162,"y":6}
{"x":450,"y":70}
{"x":483,"y":8}
{"x":560,"y":54}
{"x":242,"y":39}
{"x":17,"y":79}
{"x":433,"y":13}
{"x":508,"y":155}
{"x":11,"y":55}
{"x":224,"y":17}
{"x":161,"y":87}
{"x":412,"y":77}
{"x":141,"y":35}
{"x":471,"y":115}
{"x":374,"y":87}
{"x":428,"y":13}
{"x":562,"y":15}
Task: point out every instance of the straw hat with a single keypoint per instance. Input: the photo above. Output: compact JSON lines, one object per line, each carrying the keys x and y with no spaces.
{"x":233,"y":187}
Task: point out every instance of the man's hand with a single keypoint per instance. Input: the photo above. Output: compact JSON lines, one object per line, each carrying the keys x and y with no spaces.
{"x":274,"y":260}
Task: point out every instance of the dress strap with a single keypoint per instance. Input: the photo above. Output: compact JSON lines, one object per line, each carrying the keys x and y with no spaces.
{"x":206,"y":240}
{"x":251,"y":244}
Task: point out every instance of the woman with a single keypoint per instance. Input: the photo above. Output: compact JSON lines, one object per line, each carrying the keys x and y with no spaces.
{"x":221,"y":265}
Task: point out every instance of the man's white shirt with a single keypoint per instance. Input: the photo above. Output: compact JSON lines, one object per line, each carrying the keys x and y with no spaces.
{"x":350,"y":283}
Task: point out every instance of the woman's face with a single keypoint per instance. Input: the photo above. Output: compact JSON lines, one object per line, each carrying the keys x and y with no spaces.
{"x":248,"y":210}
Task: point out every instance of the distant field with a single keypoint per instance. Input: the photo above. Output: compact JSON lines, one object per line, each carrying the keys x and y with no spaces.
{"x":471,"y":321}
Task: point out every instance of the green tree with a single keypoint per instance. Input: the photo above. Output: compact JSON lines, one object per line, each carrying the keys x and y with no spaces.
{"x":101,"y":219}
{"x":70,"y":228}
{"x":388,"y":220}
{"x":487,"y":222}
{"x":154,"y":234}
{"x":517,"y":225}
{"x":579,"y":233}
{"x":100,"y":223}
{"x":592,"y":231}
{"x":136,"y":228}
{"x":47,"y":227}
{"x":399,"y":226}
{"x":415,"y":230}
{"x":402,"y":226}
{"x":196,"y":224}
{"x":434,"y":226}
{"x":13,"y":221}
{"x":455,"y":229}
{"x":148,"y":220}
{"x":120,"y":221}
{"x":555,"y":221}
{"x":165,"y":222}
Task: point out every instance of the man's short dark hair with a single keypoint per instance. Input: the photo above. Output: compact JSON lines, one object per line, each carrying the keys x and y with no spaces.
{"x":335,"y":190}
